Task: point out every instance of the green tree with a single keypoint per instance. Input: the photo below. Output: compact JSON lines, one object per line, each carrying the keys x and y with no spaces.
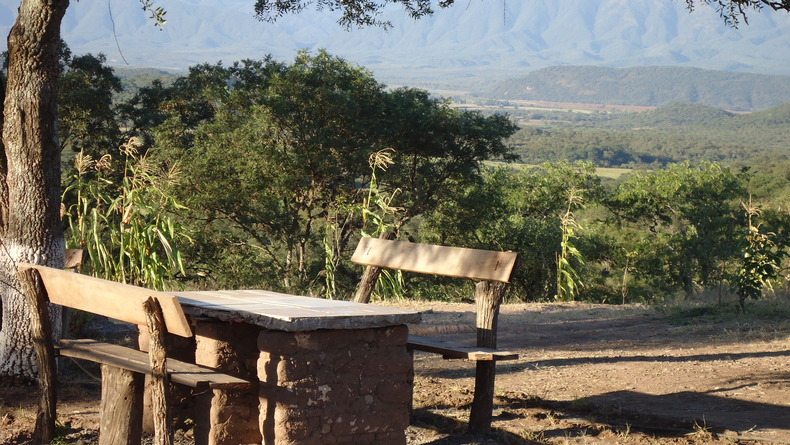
{"x":86,"y":118}
{"x":286,"y":156}
{"x":761,"y":259}
{"x":514,"y":210}
{"x":686,"y":220}
{"x":30,"y":165}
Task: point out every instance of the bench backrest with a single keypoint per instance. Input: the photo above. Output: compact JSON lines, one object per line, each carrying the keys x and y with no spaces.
{"x":108,"y":298}
{"x":458,"y":262}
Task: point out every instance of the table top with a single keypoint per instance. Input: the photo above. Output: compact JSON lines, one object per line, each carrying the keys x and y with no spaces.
{"x":284,"y":312}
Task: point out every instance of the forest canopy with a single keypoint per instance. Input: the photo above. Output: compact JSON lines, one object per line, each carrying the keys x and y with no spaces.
{"x":276,"y":169}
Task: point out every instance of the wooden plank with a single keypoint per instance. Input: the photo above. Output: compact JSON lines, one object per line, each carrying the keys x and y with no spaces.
{"x":452,"y":350}
{"x":118,"y":356}
{"x":108,"y":298}
{"x":439,"y":260}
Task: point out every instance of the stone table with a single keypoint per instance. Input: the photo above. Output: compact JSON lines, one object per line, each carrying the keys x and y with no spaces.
{"x":329,"y":371}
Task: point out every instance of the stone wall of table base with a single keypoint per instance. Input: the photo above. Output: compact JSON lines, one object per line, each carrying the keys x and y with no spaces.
{"x":180,"y":397}
{"x":335,"y":386}
{"x":231,"y":415}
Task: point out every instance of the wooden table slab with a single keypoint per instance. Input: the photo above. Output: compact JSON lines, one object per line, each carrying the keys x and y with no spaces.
{"x":274,"y":310}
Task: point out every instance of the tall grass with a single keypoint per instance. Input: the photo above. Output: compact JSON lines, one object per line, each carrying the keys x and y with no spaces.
{"x":124,"y":219}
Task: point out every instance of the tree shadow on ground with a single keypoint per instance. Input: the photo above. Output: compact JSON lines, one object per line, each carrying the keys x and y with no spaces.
{"x":687,"y":408}
{"x":675,"y":415}
{"x":453,"y":431}
{"x":668,"y":415}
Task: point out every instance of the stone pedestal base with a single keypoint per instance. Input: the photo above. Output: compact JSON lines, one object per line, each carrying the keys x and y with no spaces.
{"x":335,"y":386}
{"x":227,"y":417}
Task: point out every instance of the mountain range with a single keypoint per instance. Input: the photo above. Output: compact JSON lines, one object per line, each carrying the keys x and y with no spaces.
{"x":474,"y":39}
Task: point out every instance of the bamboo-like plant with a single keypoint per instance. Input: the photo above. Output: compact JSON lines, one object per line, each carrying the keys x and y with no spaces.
{"x":375,"y":209}
{"x":127,"y":230}
{"x":568,"y":281}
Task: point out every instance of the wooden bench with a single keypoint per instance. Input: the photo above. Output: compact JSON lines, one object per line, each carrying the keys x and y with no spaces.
{"x":492,"y":269}
{"x":452,"y":350}
{"x":123,"y":368}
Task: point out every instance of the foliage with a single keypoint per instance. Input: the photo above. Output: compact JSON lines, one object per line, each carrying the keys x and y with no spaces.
{"x":732,"y":11}
{"x":685,"y":221}
{"x":365,"y":12}
{"x":127,"y":231}
{"x":193,"y":98}
{"x":761,"y":260}
{"x":354,"y":12}
{"x":86,"y":119}
{"x":275,"y":160}
{"x":262,"y":213}
{"x":135,"y":79}
{"x":157,"y":13}
{"x":515,"y":210}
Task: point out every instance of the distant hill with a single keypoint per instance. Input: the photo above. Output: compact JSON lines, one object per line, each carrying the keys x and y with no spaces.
{"x":671,"y":133}
{"x":471,"y":41}
{"x":676,"y":114}
{"x":772,"y":120}
{"x":650,"y":86}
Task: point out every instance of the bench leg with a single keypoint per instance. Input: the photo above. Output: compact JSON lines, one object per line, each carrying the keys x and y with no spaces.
{"x":410,"y":378}
{"x":488,"y":296}
{"x":483,"y":401}
{"x":121,"y":407}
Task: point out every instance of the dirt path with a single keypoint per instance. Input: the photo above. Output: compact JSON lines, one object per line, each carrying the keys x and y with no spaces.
{"x":587,"y":374}
{"x":593,"y":373}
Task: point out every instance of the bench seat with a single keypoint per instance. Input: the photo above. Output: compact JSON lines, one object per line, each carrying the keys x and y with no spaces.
{"x":453,"y":350}
{"x":118,"y":356}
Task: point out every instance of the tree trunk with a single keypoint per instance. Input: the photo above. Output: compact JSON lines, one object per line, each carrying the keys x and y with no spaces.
{"x":30,"y":228}
{"x":489,"y":296}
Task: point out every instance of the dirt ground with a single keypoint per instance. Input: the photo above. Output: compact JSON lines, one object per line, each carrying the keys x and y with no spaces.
{"x":611,"y":374}
{"x":587,"y":374}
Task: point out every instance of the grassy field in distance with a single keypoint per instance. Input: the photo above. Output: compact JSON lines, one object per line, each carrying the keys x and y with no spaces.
{"x":603,"y":172}
{"x":478,"y":103}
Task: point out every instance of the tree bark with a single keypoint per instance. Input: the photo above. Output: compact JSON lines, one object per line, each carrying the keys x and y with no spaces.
{"x":160,"y":403}
{"x":41,"y":329}
{"x":30,"y":228}
{"x":489,"y":296}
